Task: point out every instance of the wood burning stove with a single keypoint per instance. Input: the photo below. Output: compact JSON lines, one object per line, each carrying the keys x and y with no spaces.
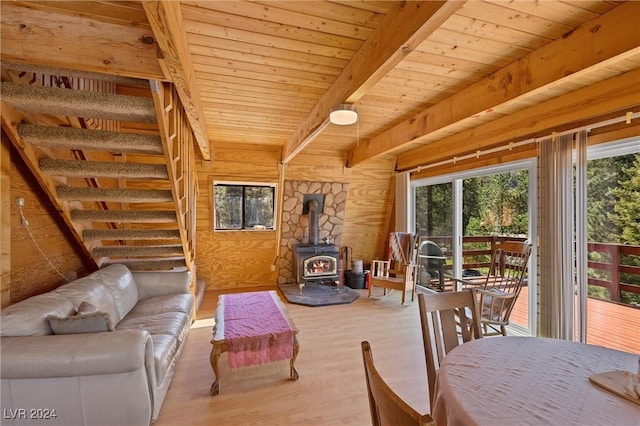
{"x":315,"y":262}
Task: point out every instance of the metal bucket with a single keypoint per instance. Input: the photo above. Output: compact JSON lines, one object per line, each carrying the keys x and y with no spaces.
{"x":356,"y":267}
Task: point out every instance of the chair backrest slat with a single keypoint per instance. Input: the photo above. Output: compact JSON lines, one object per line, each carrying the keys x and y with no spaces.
{"x":444,"y":324}
{"x":386,"y":407}
{"x":509,"y":262}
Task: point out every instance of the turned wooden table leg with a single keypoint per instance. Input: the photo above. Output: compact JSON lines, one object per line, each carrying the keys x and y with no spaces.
{"x":213,"y":359}
{"x":296,"y":348}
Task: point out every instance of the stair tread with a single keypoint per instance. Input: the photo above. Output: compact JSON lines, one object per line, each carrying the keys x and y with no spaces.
{"x":130,"y":234}
{"x":150,"y":264}
{"x":133,"y":216}
{"x":102,"y":140}
{"x":71,"y":193}
{"x":140,"y":251}
{"x":78,"y":103}
{"x":103,"y":169}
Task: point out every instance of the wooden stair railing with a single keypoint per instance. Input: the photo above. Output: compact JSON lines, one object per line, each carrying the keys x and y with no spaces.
{"x":178,"y":140}
{"x":126,"y":197}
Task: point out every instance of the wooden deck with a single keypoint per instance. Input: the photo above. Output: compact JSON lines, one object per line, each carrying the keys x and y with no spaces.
{"x":608,"y":324}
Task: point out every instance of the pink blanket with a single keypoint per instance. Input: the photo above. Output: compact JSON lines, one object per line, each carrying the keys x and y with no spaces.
{"x":255,"y":330}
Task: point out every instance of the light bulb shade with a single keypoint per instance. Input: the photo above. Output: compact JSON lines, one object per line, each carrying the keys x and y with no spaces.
{"x":343,"y":115}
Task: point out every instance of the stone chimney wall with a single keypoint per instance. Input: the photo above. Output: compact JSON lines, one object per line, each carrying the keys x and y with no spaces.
{"x":295,"y":226}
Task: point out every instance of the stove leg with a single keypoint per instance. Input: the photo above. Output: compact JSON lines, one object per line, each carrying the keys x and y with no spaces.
{"x":300,"y":285}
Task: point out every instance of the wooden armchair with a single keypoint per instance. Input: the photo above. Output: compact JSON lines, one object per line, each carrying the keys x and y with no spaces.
{"x":441,"y":316}
{"x":387,"y":408}
{"x":399,"y":271}
{"x":499,"y":290}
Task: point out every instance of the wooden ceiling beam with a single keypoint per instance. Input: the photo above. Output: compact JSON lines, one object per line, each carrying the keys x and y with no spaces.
{"x":166,"y":20}
{"x":403,"y":28}
{"x":585,"y":105}
{"x":609,"y":38}
{"x":59,"y":40}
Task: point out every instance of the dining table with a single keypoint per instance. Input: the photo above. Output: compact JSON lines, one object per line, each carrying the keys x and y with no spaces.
{"x":531,"y":381}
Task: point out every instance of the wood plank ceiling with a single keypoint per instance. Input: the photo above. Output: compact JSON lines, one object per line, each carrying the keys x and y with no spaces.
{"x":424,"y":76}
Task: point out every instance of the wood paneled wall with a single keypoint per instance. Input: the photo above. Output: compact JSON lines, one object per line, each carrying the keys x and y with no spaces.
{"x":5,"y":224}
{"x":234,"y":259}
{"x":30,"y":273}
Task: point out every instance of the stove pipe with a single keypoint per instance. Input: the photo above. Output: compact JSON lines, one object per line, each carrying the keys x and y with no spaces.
{"x":313,"y":222}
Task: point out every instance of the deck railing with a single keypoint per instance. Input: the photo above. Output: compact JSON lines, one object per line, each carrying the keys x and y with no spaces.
{"x":613,"y":267}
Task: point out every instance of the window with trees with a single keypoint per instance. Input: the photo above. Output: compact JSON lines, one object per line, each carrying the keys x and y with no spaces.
{"x":240,"y":206}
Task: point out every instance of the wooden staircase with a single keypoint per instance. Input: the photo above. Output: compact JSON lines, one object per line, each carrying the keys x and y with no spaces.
{"x":114,"y":155}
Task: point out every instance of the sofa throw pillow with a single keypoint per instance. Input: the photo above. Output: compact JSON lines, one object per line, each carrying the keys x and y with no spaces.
{"x":92,"y":322}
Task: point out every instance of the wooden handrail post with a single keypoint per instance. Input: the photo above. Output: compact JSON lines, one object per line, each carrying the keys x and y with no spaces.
{"x":614,"y":250}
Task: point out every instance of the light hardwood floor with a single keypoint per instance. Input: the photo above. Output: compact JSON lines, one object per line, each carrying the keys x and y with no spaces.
{"x":331,"y":389}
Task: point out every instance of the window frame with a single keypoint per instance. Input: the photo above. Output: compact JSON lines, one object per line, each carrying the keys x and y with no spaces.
{"x":243,"y":185}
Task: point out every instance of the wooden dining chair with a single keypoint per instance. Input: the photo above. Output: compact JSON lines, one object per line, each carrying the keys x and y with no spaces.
{"x":441,"y":329}
{"x":499,"y":290}
{"x":387,"y":408}
{"x":400,"y":270}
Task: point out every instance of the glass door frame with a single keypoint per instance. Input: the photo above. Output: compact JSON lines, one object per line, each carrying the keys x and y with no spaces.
{"x":457,"y":181}
{"x":624,"y":146}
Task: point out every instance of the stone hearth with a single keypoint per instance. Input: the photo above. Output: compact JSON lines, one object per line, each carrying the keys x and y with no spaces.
{"x":295,"y":226}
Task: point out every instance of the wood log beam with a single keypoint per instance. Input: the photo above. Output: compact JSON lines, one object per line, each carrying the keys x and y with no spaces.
{"x":611,"y":37}
{"x":404,"y":27}
{"x":39,"y":36}
{"x":582,"y":106}
{"x":166,"y":20}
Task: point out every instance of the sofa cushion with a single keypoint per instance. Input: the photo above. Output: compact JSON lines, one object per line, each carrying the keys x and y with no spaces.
{"x":119,"y":280}
{"x":92,"y":322}
{"x":164,"y":352}
{"x":172,"y":323}
{"x":158,"y":283}
{"x":93,"y":291}
{"x":29,"y":317}
{"x":158,"y":304}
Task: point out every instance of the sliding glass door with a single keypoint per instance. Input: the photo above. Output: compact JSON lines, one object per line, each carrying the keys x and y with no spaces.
{"x":612,"y":316}
{"x":434,"y":222}
{"x":467,"y":214}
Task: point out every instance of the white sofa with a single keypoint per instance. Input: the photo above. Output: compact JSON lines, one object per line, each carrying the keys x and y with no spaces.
{"x":118,"y":377}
